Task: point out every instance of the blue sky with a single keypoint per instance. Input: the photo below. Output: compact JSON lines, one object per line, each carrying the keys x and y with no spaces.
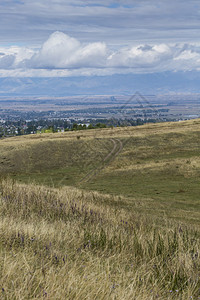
{"x":56,"y":38}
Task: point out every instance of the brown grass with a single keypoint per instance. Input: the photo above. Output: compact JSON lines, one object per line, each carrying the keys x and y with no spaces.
{"x":70,"y":244}
{"x":138,"y":238}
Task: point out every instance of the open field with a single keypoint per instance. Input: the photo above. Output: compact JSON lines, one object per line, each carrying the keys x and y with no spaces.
{"x":101,"y":214}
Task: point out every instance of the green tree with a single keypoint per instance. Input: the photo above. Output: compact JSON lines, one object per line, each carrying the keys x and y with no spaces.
{"x":90,"y":126}
{"x":75,"y":126}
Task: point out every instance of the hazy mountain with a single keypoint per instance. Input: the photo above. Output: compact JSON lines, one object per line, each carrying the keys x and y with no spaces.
{"x":156,"y":83}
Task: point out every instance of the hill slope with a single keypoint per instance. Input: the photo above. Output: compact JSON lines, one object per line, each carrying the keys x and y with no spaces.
{"x":155,"y":165}
{"x":136,"y":237}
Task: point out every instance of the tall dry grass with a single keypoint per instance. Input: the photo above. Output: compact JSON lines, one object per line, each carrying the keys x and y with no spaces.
{"x":69,"y":244}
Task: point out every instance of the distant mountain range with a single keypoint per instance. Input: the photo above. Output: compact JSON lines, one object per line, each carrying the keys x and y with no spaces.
{"x":155,"y":83}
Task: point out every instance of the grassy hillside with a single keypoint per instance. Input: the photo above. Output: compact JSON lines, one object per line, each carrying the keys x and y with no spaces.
{"x":101,"y":214}
{"x":153,"y":166}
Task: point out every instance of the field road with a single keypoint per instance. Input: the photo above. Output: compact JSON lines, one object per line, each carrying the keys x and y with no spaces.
{"x":120,"y":147}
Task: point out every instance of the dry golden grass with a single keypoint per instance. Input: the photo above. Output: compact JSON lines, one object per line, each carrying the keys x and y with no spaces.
{"x":166,"y":127}
{"x":137,"y":239}
{"x":69,"y":244}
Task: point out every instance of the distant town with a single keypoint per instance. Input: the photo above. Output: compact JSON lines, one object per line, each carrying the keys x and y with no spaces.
{"x":32,"y":115}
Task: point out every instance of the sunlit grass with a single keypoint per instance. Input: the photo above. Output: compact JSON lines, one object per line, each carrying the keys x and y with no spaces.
{"x":131,"y":231}
{"x":66,"y":244}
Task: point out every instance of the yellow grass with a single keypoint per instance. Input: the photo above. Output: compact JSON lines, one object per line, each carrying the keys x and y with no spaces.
{"x":68,"y":244}
{"x":137,"y":239}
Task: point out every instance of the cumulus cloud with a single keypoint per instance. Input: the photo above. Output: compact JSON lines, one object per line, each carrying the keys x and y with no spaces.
{"x":6,"y":61}
{"x":143,"y":56}
{"x":63,"y":55}
{"x":12,"y":57}
{"x":55,"y":52}
{"x":61,"y":51}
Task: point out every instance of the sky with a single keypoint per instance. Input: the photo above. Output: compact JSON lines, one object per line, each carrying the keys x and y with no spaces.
{"x":63,"y":38}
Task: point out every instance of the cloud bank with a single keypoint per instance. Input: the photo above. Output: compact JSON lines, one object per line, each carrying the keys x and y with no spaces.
{"x":63,"y":55}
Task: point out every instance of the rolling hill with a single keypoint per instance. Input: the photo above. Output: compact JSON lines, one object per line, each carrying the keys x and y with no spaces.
{"x":158,"y":164}
{"x":101,"y":214}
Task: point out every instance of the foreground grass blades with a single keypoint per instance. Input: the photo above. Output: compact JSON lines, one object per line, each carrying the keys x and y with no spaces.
{"x":69,"y":244}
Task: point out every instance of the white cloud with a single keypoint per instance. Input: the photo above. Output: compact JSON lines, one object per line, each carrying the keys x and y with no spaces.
{"x":92,"y":55}
{"x":6,"y":61}
{"x":12,"y":57}
{"x":62,"y":55}
{"x":61,"y":51}
{"x":54,"y":52}
{"x":142,"y":56}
